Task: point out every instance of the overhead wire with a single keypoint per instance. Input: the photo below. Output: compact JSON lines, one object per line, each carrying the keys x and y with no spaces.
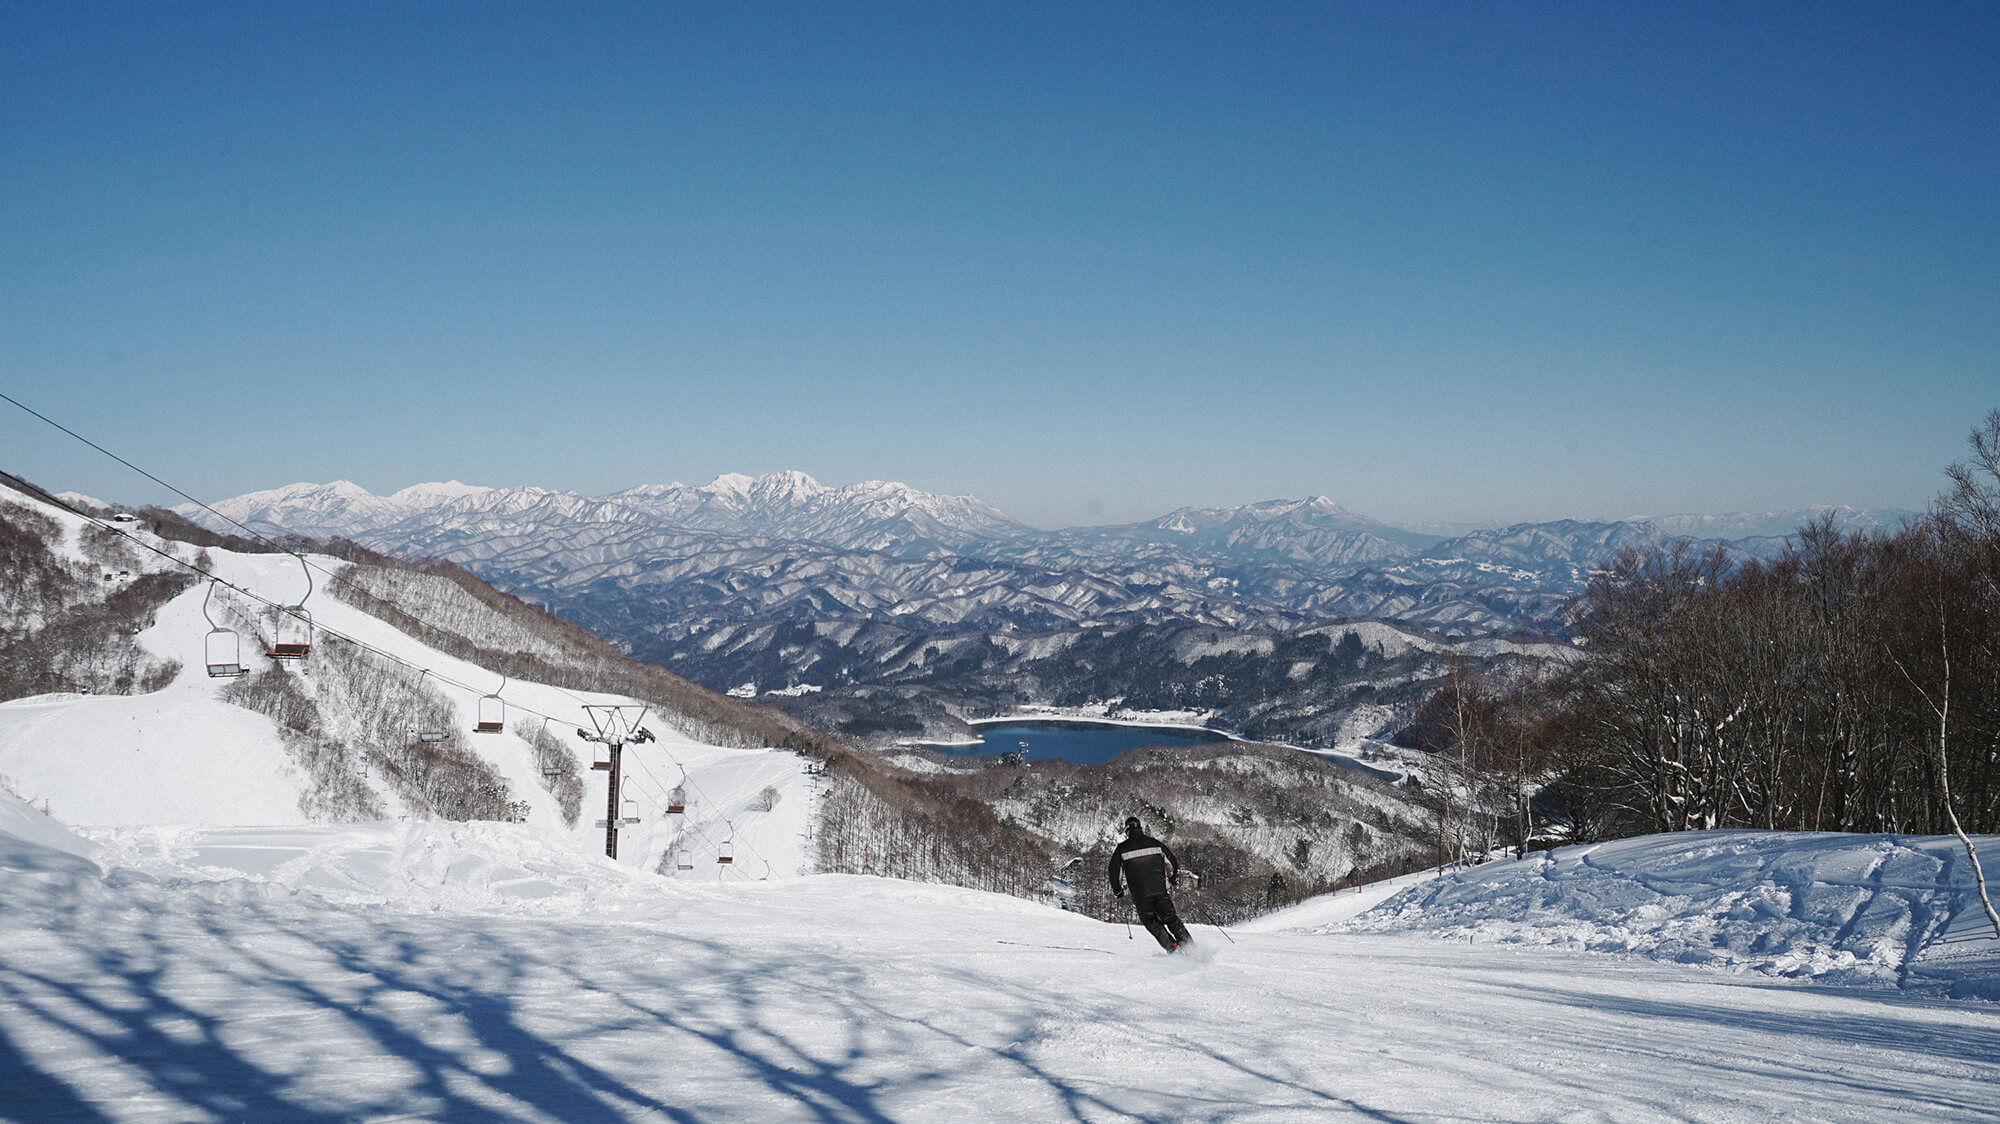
{"x":688,"y":778}
{"x":318,"y":626}
{"x":258,"y":597}
{"x":261,"y":537}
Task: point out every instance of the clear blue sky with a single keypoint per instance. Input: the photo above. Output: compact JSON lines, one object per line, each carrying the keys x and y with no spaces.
{"x":1089,"y":262}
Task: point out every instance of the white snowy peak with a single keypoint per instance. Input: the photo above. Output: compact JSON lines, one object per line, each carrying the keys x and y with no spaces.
{"x":341,"y":508}
{"x":873,"y":515}
{"x":429,"y":495}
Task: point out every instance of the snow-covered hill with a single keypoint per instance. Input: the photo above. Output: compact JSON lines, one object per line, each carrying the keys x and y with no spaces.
{"x":489,"y":972}
{"x":187,"y":755}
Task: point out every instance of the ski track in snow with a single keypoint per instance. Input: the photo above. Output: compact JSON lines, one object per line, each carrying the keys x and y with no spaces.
{"x":486,"y":971}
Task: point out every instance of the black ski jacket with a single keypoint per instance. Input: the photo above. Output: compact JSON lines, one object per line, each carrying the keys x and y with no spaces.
{"x":1145,"y":863}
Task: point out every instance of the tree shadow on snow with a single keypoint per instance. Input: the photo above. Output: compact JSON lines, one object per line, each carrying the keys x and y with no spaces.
{"x":222,"y":1003}
{"x":1925,"y":1057}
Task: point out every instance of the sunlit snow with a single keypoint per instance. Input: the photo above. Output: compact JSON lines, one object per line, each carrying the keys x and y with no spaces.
{"x":194,"y":951}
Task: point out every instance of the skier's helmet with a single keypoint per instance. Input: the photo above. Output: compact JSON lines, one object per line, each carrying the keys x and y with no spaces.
{"x":1131,"y":825}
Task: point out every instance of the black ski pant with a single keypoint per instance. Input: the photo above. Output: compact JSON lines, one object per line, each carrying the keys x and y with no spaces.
{"x":1157,"y":914}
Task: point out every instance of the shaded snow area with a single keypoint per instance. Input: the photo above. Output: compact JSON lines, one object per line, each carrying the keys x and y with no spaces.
{"x":1887,"y":909}
{"x":492,"y":972}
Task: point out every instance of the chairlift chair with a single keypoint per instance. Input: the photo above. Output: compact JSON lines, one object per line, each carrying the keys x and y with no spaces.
{"x":725,"y":852}
{"x":224,"y":652}
{"x":492,"y":715}
{"x":291,"y":636}
{"x":677,"y":801}
{"x":631,"y":809}
{"x":221,"y":648}
{"x":427,"y":733}
{"x":684,"y":860}
{"x":551,"y":759}
{"x":492,"y":711}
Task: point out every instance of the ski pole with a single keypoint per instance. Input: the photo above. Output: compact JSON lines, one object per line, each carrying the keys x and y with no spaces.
{"x":1220,"y":929}
{"x":1208,"y":918}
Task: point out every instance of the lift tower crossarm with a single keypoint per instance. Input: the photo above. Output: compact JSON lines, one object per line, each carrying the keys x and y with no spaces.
{"x":615,"y":725}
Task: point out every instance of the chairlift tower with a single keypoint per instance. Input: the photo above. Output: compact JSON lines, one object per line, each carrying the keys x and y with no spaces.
{"x":615,"y":726}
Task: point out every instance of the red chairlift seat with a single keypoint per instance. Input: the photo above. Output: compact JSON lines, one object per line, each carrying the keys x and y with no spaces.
{"x":491,"y":716}
{"x":677,"y":801}
{"x":291,"y":637}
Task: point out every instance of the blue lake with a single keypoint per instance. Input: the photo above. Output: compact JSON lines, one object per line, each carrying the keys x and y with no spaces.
{"x":1086,"y":743}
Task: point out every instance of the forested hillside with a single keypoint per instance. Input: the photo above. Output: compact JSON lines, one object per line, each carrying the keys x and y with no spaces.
{"x":1852,"y":683}
{"x":1263,"y":826}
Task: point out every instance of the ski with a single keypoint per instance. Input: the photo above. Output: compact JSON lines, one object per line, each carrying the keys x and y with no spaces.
{"x":1063,"y":947}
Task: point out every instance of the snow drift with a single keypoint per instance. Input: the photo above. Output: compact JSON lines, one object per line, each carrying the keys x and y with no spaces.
{"x":1889,"y":909}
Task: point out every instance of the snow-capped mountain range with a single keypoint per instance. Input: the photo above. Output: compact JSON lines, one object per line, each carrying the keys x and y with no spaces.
{"x":659,"y":561}
{"x":790,"y":506}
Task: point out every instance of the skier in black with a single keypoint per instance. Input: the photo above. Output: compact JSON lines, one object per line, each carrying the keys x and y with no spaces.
{"x":1146,"y":864}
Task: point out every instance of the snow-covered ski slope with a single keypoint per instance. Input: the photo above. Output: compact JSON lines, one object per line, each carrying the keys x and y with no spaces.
{"x":196,"y":951}
{"x":488,"y":972}
{"x":182,"y":756}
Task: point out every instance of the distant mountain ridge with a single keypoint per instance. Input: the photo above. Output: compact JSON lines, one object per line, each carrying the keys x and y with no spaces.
{"x":872,"y":515}
{"x":654,"y":565}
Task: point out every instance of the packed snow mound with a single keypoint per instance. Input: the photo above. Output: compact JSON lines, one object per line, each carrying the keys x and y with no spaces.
{"x":425,"y":866}
{"x":21,"y":823}
{"x":1844,"y":908}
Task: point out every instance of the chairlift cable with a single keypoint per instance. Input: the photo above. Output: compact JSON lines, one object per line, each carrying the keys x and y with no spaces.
{"x":253,"y":595}
{"x":251,"y":531}
{"x":688,"y":780}
{"x":128,"y":464}
{"x":308,"y":566}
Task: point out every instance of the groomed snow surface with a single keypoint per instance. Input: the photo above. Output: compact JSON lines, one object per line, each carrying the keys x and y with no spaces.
{"x":197,"y":951}
{"x":493,"y":972}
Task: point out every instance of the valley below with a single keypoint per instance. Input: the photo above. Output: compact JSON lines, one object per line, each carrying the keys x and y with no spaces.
{"x":880,"y":613}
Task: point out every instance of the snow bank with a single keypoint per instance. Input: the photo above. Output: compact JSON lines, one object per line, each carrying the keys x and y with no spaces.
{"x":22,"y":827}
{"x":427,"y":867}
{"x":1842,"y":908}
